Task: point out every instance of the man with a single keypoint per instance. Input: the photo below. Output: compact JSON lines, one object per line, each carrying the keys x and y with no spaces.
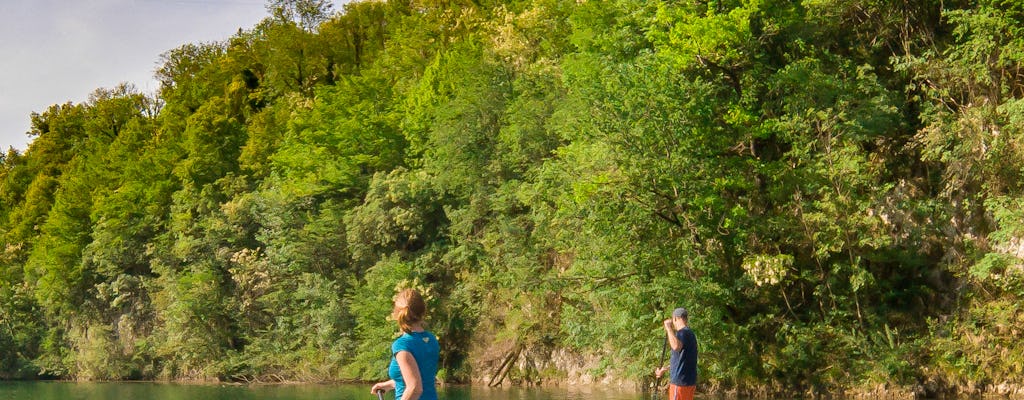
{"x":682,"y":366}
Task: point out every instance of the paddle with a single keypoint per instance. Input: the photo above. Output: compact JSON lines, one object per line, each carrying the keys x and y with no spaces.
{"x":663,"y":350}
{"x":657,"y":379}
{"x":380,"y":395}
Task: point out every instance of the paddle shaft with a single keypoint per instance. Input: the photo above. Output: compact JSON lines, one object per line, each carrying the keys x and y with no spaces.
{"x":661,"y":364}
{"x":663,"y":351}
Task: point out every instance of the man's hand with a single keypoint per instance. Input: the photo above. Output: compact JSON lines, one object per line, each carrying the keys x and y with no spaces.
{"x":669,"y":326}
{"x":658,"y":372}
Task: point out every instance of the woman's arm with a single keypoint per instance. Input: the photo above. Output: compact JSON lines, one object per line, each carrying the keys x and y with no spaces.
{"x":410,"y":374}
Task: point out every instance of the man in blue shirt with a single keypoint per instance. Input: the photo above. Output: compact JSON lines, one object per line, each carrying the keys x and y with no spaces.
{"x":683,"y":364}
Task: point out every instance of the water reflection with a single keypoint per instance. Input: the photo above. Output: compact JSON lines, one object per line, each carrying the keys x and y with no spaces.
{"x":168,"y":391}
{"x":566,"y":393}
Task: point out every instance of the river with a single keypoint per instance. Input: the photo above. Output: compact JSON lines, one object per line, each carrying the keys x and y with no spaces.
{"x":167,"y":391}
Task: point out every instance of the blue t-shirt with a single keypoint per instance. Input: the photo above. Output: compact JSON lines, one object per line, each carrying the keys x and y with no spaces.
{"x":426,"y":351}
{"x":683,"y":364}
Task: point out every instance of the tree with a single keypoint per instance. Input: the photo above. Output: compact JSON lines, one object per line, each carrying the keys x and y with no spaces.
{"x":307,"y":14}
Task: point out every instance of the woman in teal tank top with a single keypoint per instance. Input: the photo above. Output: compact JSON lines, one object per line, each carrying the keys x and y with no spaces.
{"x":414,"y":355}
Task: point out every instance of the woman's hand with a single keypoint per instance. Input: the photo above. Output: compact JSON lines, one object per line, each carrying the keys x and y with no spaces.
{"x":383,"y":387}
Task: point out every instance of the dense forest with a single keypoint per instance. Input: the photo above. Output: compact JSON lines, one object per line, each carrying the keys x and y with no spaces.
{"x":832,"y":187}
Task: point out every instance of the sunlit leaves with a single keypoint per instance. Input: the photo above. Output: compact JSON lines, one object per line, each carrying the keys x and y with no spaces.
{"x":833,"y":182}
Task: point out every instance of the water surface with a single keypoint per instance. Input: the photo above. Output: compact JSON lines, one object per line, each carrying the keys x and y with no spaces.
{"x":169,"y":391}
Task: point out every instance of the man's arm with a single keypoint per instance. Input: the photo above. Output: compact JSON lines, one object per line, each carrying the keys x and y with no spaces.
{"x":673,"y":341}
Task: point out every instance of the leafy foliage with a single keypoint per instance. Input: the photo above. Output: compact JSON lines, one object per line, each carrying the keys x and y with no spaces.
{"x":832,"y":187}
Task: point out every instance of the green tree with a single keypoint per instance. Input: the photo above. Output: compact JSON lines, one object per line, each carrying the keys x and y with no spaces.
{"x":971,"y":134}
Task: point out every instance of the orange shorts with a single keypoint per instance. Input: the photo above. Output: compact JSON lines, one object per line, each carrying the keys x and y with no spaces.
{"x":680,"y":392}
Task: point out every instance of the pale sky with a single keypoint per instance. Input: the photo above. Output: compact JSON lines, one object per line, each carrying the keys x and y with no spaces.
{"x":55,"y":51}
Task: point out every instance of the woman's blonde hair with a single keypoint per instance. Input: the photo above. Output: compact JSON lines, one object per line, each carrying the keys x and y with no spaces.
{"x":409,"y":309}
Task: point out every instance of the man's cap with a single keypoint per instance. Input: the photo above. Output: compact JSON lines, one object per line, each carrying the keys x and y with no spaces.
{"x":680,"y":313}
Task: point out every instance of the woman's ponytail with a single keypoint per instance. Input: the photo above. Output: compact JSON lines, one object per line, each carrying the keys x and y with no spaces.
{"x":409,"y":309}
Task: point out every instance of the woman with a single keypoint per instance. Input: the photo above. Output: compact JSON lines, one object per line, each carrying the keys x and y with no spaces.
{"x":413,"y":369}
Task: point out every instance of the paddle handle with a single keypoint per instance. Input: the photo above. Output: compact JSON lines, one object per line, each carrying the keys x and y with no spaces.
{"x":380,"y":395}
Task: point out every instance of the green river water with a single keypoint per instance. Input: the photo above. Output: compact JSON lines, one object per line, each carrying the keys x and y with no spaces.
{"x":167,"y":391}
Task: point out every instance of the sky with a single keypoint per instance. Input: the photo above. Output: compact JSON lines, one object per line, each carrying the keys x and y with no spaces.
{"x":56,"y":51}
